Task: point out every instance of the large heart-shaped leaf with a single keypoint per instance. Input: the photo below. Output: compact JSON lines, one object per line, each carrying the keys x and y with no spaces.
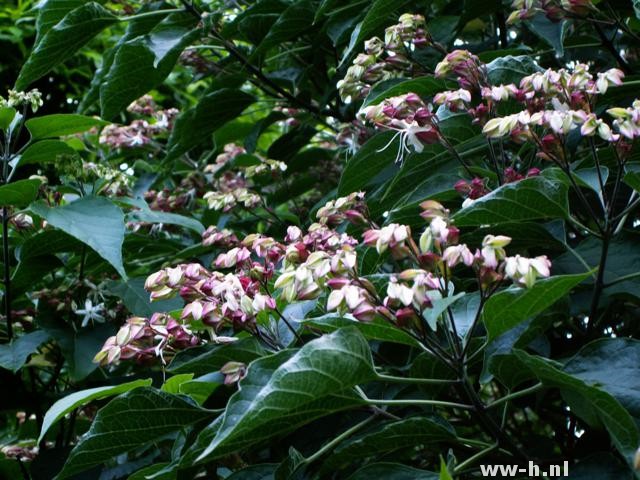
{"x":613,"y":365}
{"x":128,"y":422}
{"x":19,"y":194}
{"x":506,"y":309}
{"x":46,"y":151}
{"x":530,"y":199}
{"x":95,"y":221}
{"x":71,"y":402}
{"x":311,"y":383}
{"x":377,"y":329}
{"x":210,"y":358}
{"x":390,"y":437}
{"x":602,"y":406}
{"x":60,"y":124}
{"x":63,"y":40}
{"x":144,"y":62}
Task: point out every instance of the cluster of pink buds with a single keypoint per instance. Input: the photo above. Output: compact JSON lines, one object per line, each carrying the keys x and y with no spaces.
{"x":229,"y":152}
{"x":558,"y":101}
{"x":392,"y":237}
{"x":410,"y":117}
{"x":226,"y":200}
{"x":352,"y":208}
{"x":469,"y":70}
{"x":349,"y":296}
{"x":386,"y":59}
{"x":140,"y":131}
{"x":554,"y":10}
{"x":145,"y":339}
{"x":477,"y":187}
{"x":233,"y":187}
{"x":627,"y":120}
{"x":454,"y":100}
{"x":20,"y":452}
{"x":212,"y":236}
{"x":233,"y":372}
{"x":439,"y":244}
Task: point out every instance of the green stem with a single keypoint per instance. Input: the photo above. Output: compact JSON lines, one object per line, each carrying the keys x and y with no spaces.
{"x":518,"y":394}
{"x":151,"y":14}
{"x":333,"y":443}
{"x":417,"y":381}
{"x":412,"y":402}
{"x":472,"y":459}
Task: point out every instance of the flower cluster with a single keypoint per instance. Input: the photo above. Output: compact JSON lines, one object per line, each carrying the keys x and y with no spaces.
{"x":386,"y":59}
{"x":410,"y":117}
{"x":233,"y":187}
{"x":559,"y":102}
{"x":144,"y":339}
{"x":469,"y":70}
{"x":554,"y":10}
{"x":15,"y":98}
{"x":321,"y":262}
{"x":140,"y":131}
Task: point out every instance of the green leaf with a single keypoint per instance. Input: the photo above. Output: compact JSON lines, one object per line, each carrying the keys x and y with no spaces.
{"x":14,"y":355}
{"x":294,"y":21}
{"x":379,"y":14}
{"x":196,"y":125}
{"x":31,"y":271}
{"x":387,"y":438}
{"x":507,"y":308}
{"x":135,"y":28}
{"x":95,"y":221}
{"x":47,"y":242}
{"x":263,"y":471}
{"x":530,"y":199}
{"x":311,"y":383}
{"x":153,"y":216}
{"x":552,"y":32}
{"x":71,"y":402}
{"x":60,"y":124}
{"x":46,"y":151}
{"x":612,"y":365}
{"x":622,"y":269}
{"x":444,"y":471}
{"x":510,"y":69}
{"x":210,"y":358}
{"x":136,"y":298}
{"x":144,"y":62}
{"x":79,"y":347}
{"x":63,"y":40}
{"x":173,"y":384}
{"x":425,"y":87}
{"x":578,"y":393}
{"x":377,"y":329}
{"x":365,"y":166}
{"x":19,"y":194}
{"x":128,"y":422}
{"x":392,"y":471}
{"x":6,"y":117}
{"x":51,"y":12}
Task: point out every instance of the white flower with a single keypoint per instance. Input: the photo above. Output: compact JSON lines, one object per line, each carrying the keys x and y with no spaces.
{"x":91,"y":312}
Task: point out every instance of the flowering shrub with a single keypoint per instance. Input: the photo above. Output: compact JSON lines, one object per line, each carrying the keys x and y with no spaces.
{"x":304,"y":239}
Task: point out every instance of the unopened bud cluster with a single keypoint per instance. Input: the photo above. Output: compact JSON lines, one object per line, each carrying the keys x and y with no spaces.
{"x":385,"y":59}
{"x":140,"y":131}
